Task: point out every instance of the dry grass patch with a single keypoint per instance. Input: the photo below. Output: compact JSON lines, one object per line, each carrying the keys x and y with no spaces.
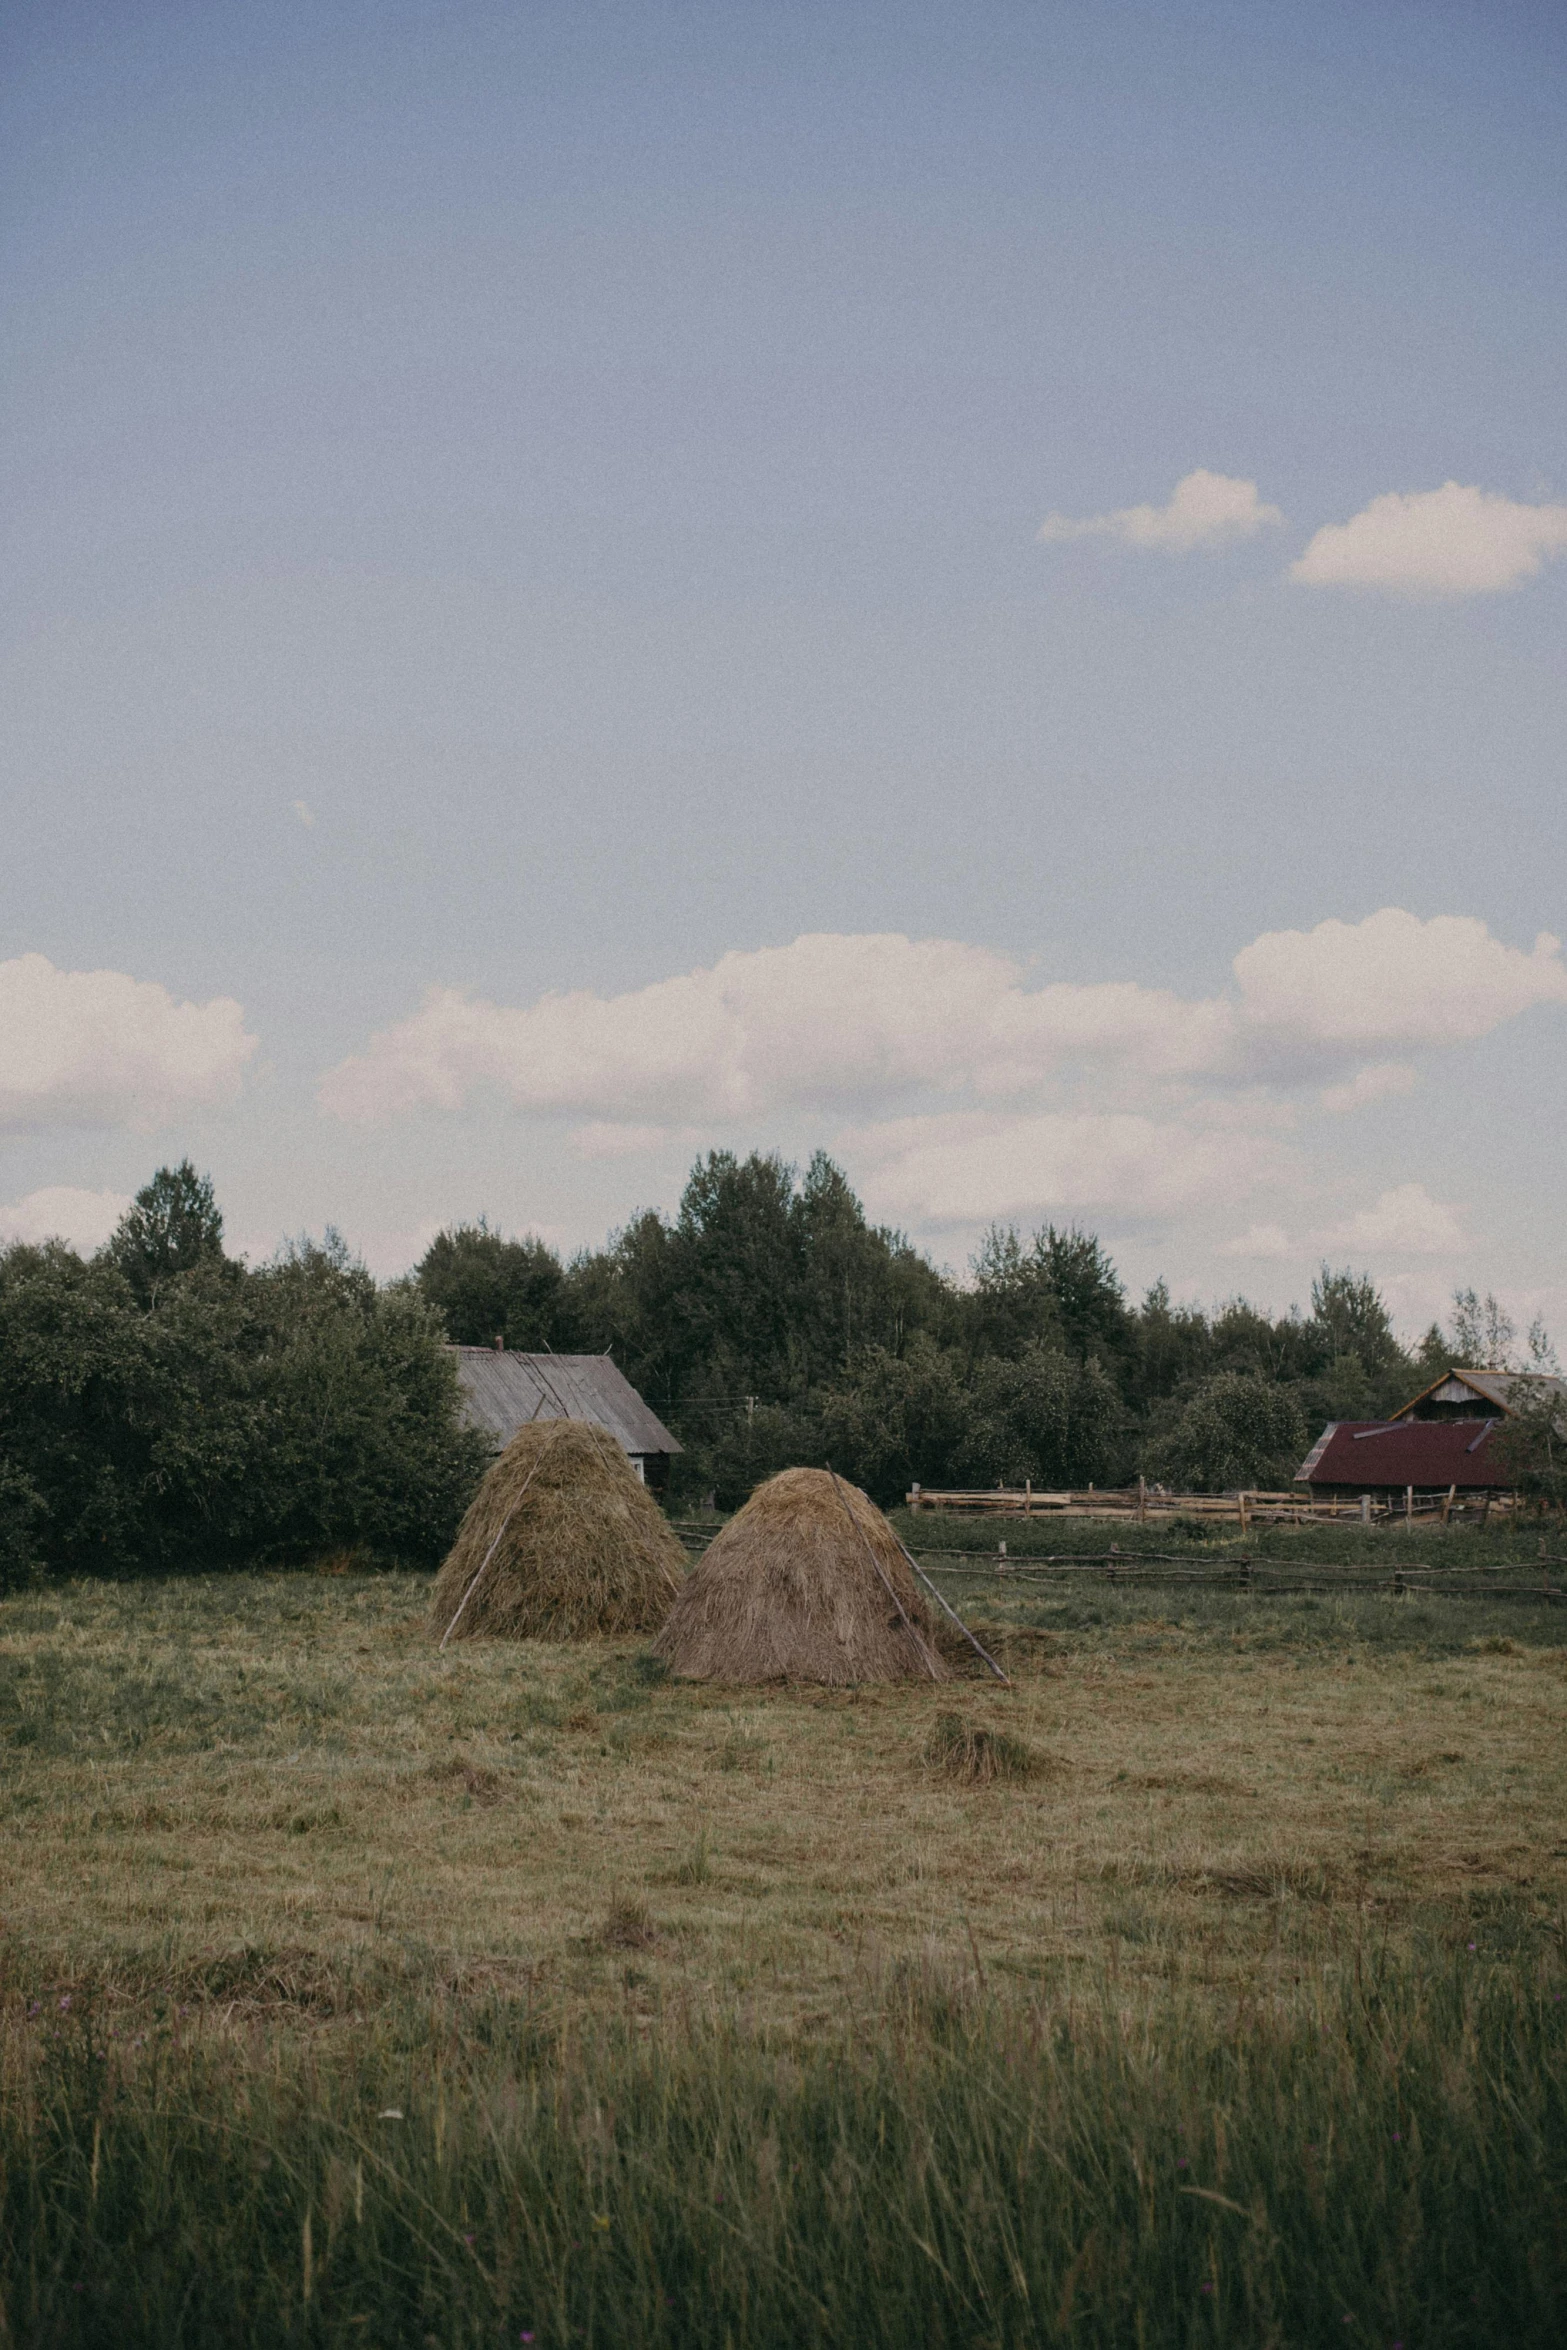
{"x":1258,"y":1810}
{"x":974,"y":1754}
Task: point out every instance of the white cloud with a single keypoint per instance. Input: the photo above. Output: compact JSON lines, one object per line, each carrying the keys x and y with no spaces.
{"x":96,"y":1048}
{"x":84,"y":1218}
{"x":883,"y":1023}
{"x":1406,"y":1221}
{"x":961,"y":1168}
{"x":1205,"y":510}
{"x":1263,"y":1241}
{"x":1455,"y":541}
{"x":1392,"y":980}
{"x":1375,"y":1083}
{"x":829,"y":1019}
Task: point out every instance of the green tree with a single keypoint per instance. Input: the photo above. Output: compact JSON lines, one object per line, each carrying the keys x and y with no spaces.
{"x":1042,"y":1416}
{"x":899,"y":1418}
{"x":486,"y":1288}
{"x":1348,"y":1317}
{"x":1233,"y":1430}
{"x":172,"y":1226}
{"x":1532,"y":1444}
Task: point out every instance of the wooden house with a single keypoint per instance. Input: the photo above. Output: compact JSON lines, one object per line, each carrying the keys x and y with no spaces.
{"x":501,"y":1391}
{"x":1440,"y":1445}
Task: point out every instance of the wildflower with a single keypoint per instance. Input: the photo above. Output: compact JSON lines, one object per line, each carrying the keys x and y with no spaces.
{"x":390,"y":2113}
{"x":65,"y":2003}
{"x":601,"y":2221}
{"x":1471,"y":1946}
{"x":1181,"y":2163}
{"x":1207,"y":2288}
{"x":524,"y":2337}
{"x":1398,"y":2137}
{"x":467,"y":2239}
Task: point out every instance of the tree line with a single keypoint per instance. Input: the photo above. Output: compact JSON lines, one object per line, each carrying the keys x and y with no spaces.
{"x":769,"y":1322}
{"x":163,"y":1405}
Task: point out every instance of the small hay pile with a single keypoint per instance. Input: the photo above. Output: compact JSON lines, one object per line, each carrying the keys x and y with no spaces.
{"x":789,"y":1592}
{"x":575,"y":1544}
{"x":975,"y":1754}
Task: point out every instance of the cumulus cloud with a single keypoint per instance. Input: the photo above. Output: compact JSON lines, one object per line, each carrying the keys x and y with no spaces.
{"x":879,"y":1023}
{"x":961,"y":1169}
{"x":1205,"y":510}
{"x":1392,"y":981}
{"x":97,"y":1048}
{"x":828,"y":1020}
{"x":1455,"y":541}
{"x":1406,"y":1221}
{"x":58,"y":1212}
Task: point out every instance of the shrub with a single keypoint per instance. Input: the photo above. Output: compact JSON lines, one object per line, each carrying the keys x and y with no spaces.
{"x":213,"y":1415}
{"x":1231,"y":1431}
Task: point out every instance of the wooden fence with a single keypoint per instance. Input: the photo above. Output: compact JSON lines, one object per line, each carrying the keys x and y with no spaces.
{"x":1122,"y":1569}
{"x":1143,"y":1504}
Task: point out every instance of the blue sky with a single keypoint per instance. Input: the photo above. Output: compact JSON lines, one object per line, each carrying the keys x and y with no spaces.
{"x":518,"y":500}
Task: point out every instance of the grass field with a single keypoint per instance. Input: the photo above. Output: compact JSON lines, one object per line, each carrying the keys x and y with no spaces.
{"x":1279,"y":1879}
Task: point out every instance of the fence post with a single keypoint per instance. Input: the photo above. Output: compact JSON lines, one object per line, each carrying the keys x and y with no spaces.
{"x":1243,"y":1510}
{"x":1142,"y":1501}
{"x":1028,"y":1497}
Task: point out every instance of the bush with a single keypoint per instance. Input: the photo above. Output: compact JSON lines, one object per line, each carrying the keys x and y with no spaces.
{"x":1231,"y":1431}
{"x":205,"y":1415}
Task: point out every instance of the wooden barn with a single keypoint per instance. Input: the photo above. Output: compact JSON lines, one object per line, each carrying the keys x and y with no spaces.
{"x":503,"y":1391}
{"x":1439,"y":1445}
{"x":1480,"y":1395}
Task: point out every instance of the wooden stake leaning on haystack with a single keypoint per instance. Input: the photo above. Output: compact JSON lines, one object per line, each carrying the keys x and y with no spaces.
{"x":784,"y":1593}
{"x":562,"y":1542}
{"x":941,"y":1602}
{"x":496,"y":1543}
{"x":927,"y":1657}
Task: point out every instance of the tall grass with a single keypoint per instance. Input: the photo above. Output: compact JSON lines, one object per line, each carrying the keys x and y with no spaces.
{"x":1384,"y":2164}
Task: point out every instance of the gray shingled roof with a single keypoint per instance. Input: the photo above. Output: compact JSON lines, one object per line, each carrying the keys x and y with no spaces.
{"x":503,"y":1391}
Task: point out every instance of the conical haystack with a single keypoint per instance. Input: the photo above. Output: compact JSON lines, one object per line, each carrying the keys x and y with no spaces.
{"x":790,"y":1591}
{"x":564,"y":1540}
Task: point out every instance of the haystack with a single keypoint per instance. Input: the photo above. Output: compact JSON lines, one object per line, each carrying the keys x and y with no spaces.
{"x":805,"y":1584}
{"x":564,"y":1541}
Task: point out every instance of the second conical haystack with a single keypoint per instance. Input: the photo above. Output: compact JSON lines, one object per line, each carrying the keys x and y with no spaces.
{"x":807,"y":1583}
{"x":562,"y":1540}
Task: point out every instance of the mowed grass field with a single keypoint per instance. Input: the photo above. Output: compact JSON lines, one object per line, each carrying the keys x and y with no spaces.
{"x":354,"y":1991}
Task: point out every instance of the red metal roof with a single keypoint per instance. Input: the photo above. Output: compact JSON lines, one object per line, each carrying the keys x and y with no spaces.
{"x":1361,"y":1455}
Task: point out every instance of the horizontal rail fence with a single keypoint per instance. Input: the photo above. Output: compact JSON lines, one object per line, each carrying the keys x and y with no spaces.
{"x":1168,"y":1570}
{"x":1147,"y":1504}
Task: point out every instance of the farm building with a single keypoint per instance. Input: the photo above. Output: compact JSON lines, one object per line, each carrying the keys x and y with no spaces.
{"x":1480,"y":1395}
{"x":503,"y":1392}
{"x":1441,"y":1443}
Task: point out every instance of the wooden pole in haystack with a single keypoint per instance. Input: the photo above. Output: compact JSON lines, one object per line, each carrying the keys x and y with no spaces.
{"x":928,"y":1660}
{"x":499,"y":1531}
